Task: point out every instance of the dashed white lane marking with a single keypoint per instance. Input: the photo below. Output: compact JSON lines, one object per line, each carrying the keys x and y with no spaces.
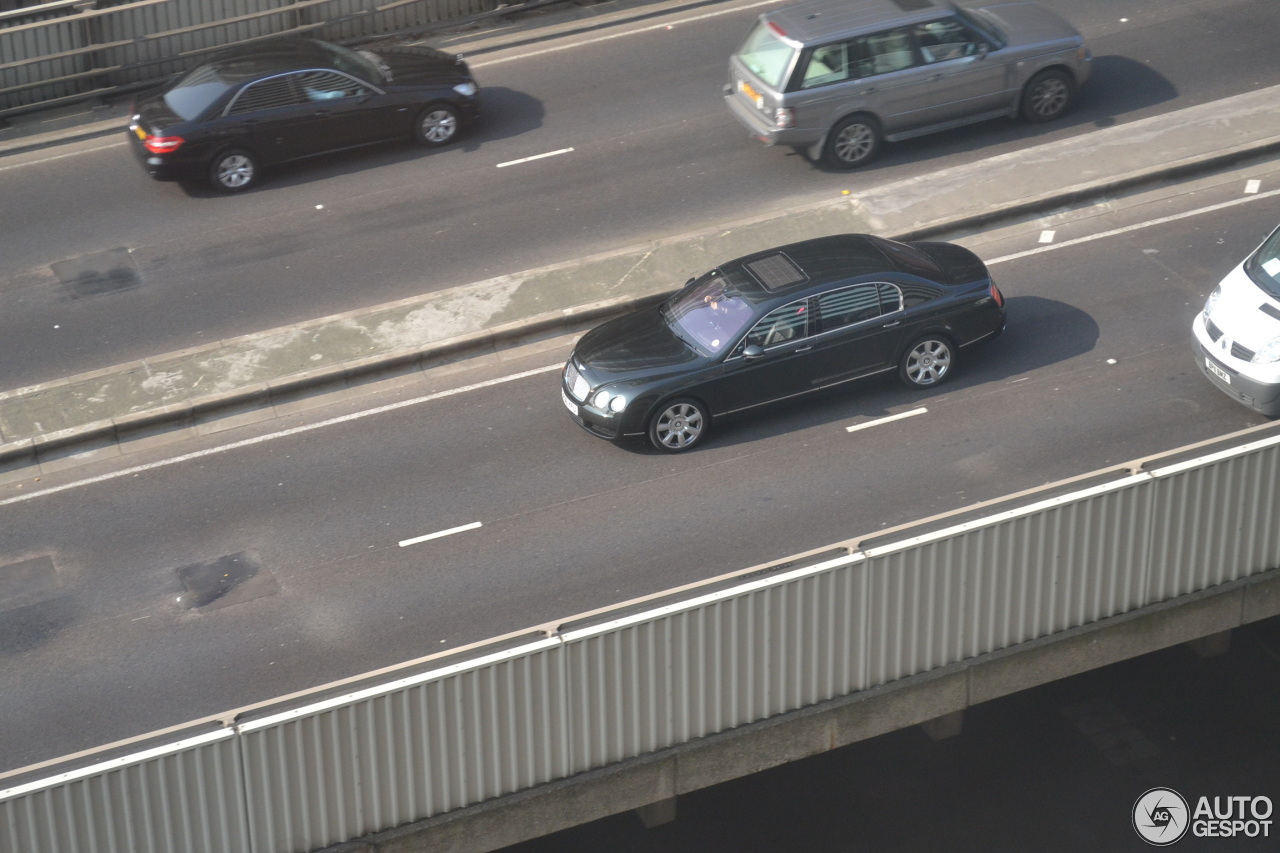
{"x":1252,"y":185}
{"x":1047,"y":236}
{"x":249,"y":442}
{"x":911,"y":414}
{"x":1114,"y":232}
{"x":441,"y":533}
{"x":534,"y":157}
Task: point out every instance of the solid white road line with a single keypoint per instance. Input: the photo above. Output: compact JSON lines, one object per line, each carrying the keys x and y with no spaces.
{"x":61,"y":156}
{"x":440,"y":533}
{"x":249,"y":442}
{"x":911,"y":414}
{"x":534,"y":157}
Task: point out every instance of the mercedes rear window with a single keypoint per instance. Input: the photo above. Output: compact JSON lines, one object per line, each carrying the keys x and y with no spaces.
{"x":196,"y":92}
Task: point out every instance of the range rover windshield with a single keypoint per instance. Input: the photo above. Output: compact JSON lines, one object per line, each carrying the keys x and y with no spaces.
{"x":1263,"y":265}
{"x":767,"y":56}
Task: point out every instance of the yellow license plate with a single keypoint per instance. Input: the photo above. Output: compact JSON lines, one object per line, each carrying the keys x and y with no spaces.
{"x":750,"y":93}
{"x":142,"y":134}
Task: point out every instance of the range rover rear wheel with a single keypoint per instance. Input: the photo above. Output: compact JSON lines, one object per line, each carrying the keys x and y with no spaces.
{"x":852,"y":142}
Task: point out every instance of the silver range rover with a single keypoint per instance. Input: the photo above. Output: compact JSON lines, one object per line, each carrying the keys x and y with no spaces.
{"x":839,"y":77}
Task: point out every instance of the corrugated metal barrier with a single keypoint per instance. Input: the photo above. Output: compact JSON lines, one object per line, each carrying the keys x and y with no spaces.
{"x":65,"y":52}
{"x":326,"y":767}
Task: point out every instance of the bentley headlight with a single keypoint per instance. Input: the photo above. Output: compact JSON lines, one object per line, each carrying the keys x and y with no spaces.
{"x":466,"y":90}
{"x":1269,"y":354}
{"x":608,"y":401}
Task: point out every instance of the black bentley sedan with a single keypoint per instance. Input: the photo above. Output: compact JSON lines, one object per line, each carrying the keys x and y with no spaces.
{"x":256,"y":105}
{"x":778,"y":324}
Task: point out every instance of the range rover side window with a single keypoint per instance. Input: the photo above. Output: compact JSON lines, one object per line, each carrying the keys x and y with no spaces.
{"x":826,"y":64}
{"x":946,"y":39}
{"x":885,"y":52}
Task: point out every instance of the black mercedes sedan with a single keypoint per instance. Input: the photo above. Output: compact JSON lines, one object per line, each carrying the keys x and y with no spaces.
{"x":257,"y":105}
{"x":777,"y":324}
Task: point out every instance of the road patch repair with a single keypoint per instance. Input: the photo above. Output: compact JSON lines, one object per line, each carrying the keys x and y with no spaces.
{"x":210,"y":583}
{"x":100,"y":272}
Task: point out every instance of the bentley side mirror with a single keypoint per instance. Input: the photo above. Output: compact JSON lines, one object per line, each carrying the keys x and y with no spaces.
{"x":752,"y":351}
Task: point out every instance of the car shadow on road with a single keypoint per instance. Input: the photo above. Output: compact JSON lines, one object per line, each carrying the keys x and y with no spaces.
{"x":1117,"y":87}
{"x":505,"y":113}
{"x":1040,"y":333}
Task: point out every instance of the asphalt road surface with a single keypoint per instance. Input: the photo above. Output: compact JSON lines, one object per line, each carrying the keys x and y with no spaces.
{"x":1093,"y":370}
{"x":654,"y":152}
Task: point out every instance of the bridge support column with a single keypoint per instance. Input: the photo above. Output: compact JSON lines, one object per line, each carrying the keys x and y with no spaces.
{"x":941,"y":728}
{"x":656,"y":814}
{"x":1212,"y":645}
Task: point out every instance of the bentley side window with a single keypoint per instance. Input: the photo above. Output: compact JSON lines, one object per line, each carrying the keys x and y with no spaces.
{"x":779,"y":326}
{"x":850,"y":305}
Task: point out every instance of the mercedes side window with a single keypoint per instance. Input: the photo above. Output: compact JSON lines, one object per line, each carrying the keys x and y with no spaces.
{"x":328,"y":85}
{"x":946,"y":39}
{"x":267,"y":94}
{"x":780,"y":326}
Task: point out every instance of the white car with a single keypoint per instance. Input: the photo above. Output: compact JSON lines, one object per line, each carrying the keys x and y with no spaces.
{"x":1238,"y":332}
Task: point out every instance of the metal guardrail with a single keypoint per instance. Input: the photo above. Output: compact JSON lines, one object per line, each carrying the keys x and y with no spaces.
{"x":314,"y":770}
{"x":61,"y":53}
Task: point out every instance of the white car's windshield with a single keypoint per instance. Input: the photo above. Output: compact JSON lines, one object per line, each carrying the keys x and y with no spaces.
{"x":1263,"y":265}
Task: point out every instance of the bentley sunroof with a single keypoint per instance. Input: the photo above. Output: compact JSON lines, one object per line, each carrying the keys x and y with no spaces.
{"x":776,"y":271}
